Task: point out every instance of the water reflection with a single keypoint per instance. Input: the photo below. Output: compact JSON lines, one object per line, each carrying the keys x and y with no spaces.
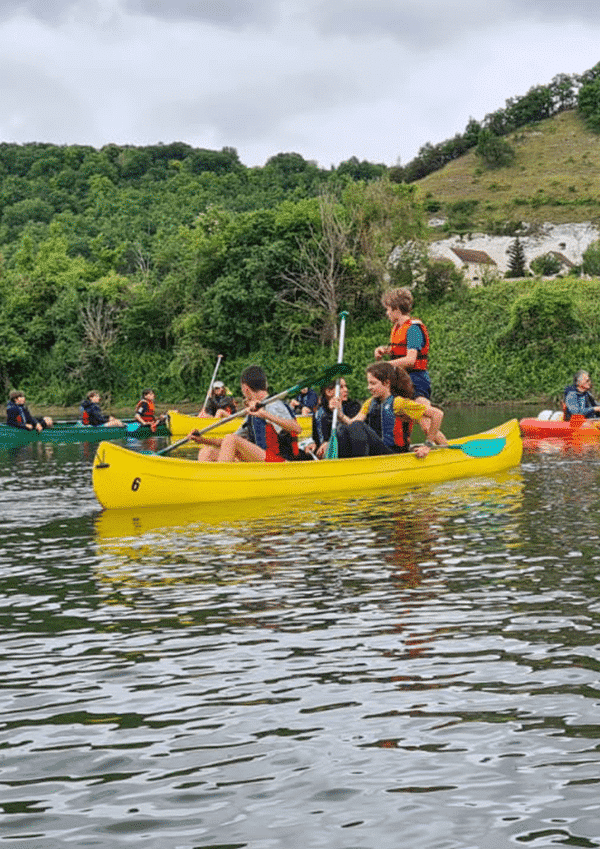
{"x":418,"y":668}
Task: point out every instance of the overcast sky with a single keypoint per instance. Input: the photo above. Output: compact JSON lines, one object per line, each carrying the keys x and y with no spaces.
{"x":328,"y":79}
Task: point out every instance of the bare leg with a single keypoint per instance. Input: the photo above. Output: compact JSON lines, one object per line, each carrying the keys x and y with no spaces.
{"x":208,"y":454}
{"x":235,"y":446}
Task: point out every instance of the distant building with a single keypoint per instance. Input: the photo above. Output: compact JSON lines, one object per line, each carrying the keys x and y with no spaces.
{"x":473,"y":262}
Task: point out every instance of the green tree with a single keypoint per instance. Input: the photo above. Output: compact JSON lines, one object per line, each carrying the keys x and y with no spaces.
{"x":494,"y":152}
{"x":591,"y":259}
{"x":545,"y":265}
{"x":516,"y":259}
{"x":588,"y":103}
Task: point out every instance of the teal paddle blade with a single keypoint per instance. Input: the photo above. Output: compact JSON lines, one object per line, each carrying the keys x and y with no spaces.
{"x":332,"y":447}
{"x":131,"y":427}
{"x":480,"y":447}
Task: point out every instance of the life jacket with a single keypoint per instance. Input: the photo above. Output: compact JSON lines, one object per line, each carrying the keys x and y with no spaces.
{"x":398,"y":343}
{"x":393,"y":430}
{"x":279,"y":446}
{"x":84,"y":412}
{"x":145,"y":409}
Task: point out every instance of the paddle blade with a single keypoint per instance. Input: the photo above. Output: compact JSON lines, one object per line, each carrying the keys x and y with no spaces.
{"x":332,"y":447}
{"x":328,"y":375}
{"x":481,"y":447}
{"x":131,"y":427}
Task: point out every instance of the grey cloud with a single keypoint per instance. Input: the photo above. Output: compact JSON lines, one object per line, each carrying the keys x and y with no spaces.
{"x":439,"y":22}
{"x":232,"y":14}
{"x":36,"y":108}
{"x":249,"y":113}
{"x":45,"y":10}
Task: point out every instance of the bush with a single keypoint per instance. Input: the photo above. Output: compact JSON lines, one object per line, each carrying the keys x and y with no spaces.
{"x":545,"y":265}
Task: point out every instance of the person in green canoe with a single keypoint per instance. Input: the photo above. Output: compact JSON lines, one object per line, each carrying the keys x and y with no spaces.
{"x":18,"y":415}
{"x":91,"y":414}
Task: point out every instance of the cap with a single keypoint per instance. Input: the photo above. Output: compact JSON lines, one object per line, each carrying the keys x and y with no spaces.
{"x":218,"y":384}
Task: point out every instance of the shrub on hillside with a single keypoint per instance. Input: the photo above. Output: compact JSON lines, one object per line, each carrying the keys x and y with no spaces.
{"x":591,"y":259}
{"x":493,"y":151}
{"x":541,"y":320}
{"x":545,"y":265}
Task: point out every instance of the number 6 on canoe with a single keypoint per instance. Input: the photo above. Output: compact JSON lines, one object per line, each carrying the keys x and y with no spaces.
{"x":326,"y":376}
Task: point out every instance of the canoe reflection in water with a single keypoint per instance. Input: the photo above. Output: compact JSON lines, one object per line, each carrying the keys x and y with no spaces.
{"x":377,"y":544}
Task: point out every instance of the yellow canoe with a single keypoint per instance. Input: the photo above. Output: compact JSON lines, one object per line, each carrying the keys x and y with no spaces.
{"x":123,"y":478}
{"x":180,"y":425}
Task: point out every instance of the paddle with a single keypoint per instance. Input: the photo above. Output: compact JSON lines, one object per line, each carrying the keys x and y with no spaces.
{"x":332,"y":445}
{"x":477,"y":447}
{"x":325,"y":377}
{"x":212,"y":380}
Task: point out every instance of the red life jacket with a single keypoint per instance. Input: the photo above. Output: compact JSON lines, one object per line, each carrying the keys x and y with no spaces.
{"x":279,"y":446}
{"x":398,"y":343}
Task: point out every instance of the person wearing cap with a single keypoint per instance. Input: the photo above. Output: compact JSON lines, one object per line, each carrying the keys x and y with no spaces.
{"x":220,"y":403}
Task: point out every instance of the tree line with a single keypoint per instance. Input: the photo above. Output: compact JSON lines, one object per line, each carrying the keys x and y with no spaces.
{"x":128,"y":266}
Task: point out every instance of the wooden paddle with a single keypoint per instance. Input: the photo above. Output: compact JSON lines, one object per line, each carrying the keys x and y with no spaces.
{"x":476,"y":447}
{"x":319,"y":380}
{"x":332,"y":445}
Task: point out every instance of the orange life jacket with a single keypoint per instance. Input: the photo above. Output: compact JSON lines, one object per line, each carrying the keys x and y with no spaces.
{"x":147,"y":412}
{"x":398,"y":343}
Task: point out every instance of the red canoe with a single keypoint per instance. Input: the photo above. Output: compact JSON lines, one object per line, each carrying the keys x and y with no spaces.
{"x":577,"y":428}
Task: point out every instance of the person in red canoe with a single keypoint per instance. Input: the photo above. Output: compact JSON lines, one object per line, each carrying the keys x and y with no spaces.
{"x":18,"y":415}
{"x":578,"y":399}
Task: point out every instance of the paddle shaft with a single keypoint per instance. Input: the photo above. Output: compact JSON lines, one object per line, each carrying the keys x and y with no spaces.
{"x":343,"y":317}
{"x":332,"y":449}
{"x":212,"y":380}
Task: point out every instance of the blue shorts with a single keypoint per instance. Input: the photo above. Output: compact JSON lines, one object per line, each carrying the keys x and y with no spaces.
{"x":421,"y":383}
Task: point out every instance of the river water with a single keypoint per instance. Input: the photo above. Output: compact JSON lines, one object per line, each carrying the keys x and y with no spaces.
{"x":417,"y":669}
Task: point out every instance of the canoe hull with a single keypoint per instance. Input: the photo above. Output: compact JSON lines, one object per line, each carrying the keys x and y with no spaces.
{"x":125,"y":479}
{"x":69,"y":432}
{"x":539,"y":429}
{"x":180,"y":424}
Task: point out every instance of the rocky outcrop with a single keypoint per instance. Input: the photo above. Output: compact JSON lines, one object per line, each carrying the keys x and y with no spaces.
{"x":570,"y":240}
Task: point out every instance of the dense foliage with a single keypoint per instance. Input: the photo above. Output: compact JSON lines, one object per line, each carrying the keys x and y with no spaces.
{"x":128,"y":266}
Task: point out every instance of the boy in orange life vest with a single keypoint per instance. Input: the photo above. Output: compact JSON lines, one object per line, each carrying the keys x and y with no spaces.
{"x":269,"y":434}
{"x":145,"y":412}
{"x":408,"y":347}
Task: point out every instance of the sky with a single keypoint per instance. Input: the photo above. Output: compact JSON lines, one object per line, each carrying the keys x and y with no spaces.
{"x":328,"y":79}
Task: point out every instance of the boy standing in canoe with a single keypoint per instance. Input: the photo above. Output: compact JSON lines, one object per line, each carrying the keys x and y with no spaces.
{"x":269,"y":433}
{"x":18,"y":415}
{"x":408,"y":347}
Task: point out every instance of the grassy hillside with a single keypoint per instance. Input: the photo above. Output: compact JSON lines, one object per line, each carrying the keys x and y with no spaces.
{"x":555,"y":177}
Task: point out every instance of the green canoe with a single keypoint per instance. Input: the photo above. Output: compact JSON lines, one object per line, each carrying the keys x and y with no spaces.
{"x":76,"y":432}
